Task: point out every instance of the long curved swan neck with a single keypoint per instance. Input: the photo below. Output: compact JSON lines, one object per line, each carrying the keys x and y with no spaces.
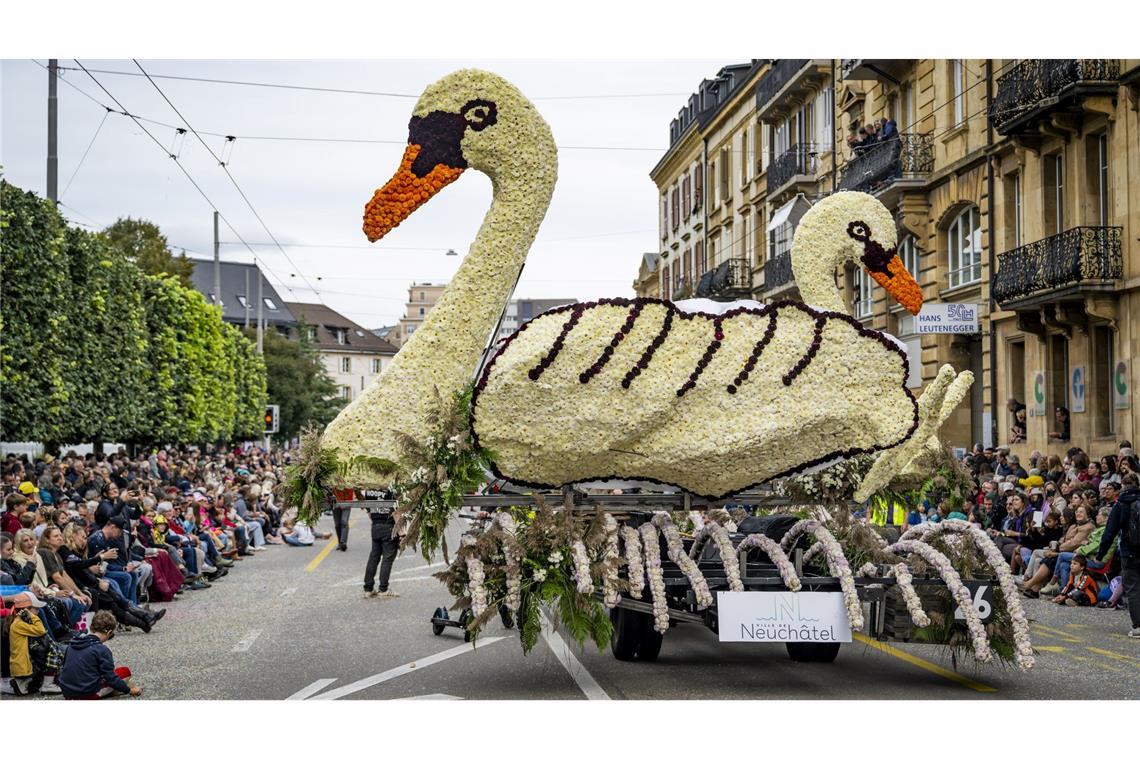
{"x":814,"y":260}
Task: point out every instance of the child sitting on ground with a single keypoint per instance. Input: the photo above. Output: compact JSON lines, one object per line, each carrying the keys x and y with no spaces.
{"x":297,"y":533}
{"x":89,"y":670}
{"x":1081,"y":590}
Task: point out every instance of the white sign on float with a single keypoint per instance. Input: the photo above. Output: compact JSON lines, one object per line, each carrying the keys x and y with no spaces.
{"x":782,"y":616}
{"x":947,"y":318}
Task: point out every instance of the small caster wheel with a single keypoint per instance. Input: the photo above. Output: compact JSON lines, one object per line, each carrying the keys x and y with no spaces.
{"x":506,"y":616}
{"x":464,"y":621}
{"x":440,"y":614}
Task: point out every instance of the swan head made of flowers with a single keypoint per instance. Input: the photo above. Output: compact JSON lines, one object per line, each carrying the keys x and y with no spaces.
{"x":469,"y":118}
{"x":855,"y":227}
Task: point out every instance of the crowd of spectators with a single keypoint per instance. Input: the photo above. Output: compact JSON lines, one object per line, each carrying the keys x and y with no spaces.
{"x":87,"y":540}
{"x":1061,"y":522}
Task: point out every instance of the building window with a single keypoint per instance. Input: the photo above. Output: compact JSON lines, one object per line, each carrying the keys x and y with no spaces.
{"x":374,"y":367}
{"x":345,"y":365}
{"x":725,"y":173}
{"x":745,"y":239}
{"x":1013,"y":208}
{"x":312,"y":333}
{"x":421,"y":311}
{"x":1058,"y":374}
{"x":1102,"y":177}
{"x":346,"y":392}
{"x":269,"y":304}
{"x":864,"y":301}
{"x":908,"y":252}
{"x":700,"y":258}
{"x":341,"y":335}
{"x":283,"y":331}
{"x":904,"y":330}
{"x":907,"y":116}
{"x":421,"y":295}
{"x":964,"y":243}
{"x":823,"y":127}
{"x":664,"y":216}
{"x":712,"y":186}
{"x":780,"y":240}
{"x":744,"y":164}
{"x":243,"y":301}
{"x":758,"y":238}
{"x":1100,"y":391}
{"x":1054,"y":189}
{"x":686,"y":203}
{"x":687,"y":266}
{"x":698,"y":187}
{"x":957,"y":84}
{"x":409,"y":330}
{"x":676,"y":208}
{"x":213,"y":299}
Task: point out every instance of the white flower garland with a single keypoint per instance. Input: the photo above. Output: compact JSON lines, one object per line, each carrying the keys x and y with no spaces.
{"x":776,"y":554}
{"x":511,"y":552}
{"x":677,"y":554}
{"x":697,"y":519}
{"x":868,"y":570}
{"x":656,"y":577}
{"x":610,"y":594}
{"x":727,"y":555}
{"x":634,"y":566}
{"x":1023,"y":646}
{"x":581,"y":561}
{"x":475,"y":577}
{"x":905,"y":582}
{"x":836,"y":562}
{"x":960,"y":593}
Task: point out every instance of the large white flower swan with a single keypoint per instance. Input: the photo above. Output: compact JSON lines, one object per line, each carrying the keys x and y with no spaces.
{"x":712,"y":401}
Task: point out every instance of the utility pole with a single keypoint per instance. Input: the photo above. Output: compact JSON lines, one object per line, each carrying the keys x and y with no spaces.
{"x":217,"y":267}
{"x":247,"y":298}
{"x":53,"y":129}
{"x":260,"y":324}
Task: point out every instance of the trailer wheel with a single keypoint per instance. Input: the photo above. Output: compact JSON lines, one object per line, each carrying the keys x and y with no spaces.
{"x":650,"y":645}
{"x":811,"y":652}
{"x":628,"y":626}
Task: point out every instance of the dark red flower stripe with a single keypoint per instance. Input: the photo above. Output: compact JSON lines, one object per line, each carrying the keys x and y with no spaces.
{"x":647,"y":356}
{"x":756,"y":351}
{"x":816,"y":340}
{"x":552,"y":354}
{"x":718,"y":336}
{"x":608,"y":351}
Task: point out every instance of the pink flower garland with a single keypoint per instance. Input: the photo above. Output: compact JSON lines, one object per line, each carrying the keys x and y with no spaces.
{"x":727,"y":555}
{"x":1023,"y":646}
{"x":581,"y":561}
{"x":475,"y":577}
{"x":836,"y":563}
{"x":610,"y":594}
{"x":656,"y":577}
{"x":776,"y":554}
{"x":634,"y":564}
{"x":946,"y":571}
{"x":677,"y":554}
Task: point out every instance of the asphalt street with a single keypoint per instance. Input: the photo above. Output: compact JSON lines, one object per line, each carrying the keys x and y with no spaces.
{"x":292,"y":623}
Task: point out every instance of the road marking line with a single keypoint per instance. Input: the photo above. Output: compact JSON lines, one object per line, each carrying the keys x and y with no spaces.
{"x":396,"y":672}
{"x":312,"y":688}
{"x":332,"y":544}
{"x":1115,"y":656}
{"x":580,"y":675}
{"x":247,"y":642}
{"x":1054,"y":650}
{"x":1059,"y":634}
{"x":427,"y":696}
{"x":882,"y":646}
{"x":418,"y":567}
{"x":289,"y":591}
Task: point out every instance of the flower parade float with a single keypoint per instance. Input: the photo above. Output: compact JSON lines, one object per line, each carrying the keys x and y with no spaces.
{"x":699,"y":402}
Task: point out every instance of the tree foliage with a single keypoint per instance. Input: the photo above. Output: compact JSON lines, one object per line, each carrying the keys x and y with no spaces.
{"x":92,"y":347}
{"x":143,"y":243}
{"x":298,"y":382}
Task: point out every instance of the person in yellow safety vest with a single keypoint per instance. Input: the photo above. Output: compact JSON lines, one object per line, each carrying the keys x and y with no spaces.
{"x":887,"y":511}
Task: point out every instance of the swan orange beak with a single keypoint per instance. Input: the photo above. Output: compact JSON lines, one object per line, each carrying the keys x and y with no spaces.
{"x":405,"y":192}
{"x":898,"y":282}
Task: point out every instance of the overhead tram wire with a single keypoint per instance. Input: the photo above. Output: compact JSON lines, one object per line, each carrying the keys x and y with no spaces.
{"x":241,"y":192}
{"x":193,"y":182}
{"x":374,"y":93}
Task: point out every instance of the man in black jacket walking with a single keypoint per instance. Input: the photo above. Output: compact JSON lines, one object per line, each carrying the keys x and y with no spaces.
{"x":1120,"y":521}
{"x":384,"y":544}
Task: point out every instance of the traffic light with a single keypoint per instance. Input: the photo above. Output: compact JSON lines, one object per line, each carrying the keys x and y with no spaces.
{"x":272,"y":419}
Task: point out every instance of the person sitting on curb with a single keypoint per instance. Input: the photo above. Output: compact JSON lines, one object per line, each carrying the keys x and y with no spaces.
{"x":89,"y":670}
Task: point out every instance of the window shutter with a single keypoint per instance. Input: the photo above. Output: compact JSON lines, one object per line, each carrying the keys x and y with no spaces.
{"x":698,"y":193}
{"x":676,"y":210}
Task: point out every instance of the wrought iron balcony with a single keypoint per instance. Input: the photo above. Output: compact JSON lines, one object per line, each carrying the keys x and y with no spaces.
{"x":1081,"y":255}
{"x":778,"y":76}
{"x":731,"y":280}
{"x":778,"y":271}
{"x":799,"y":160}
{"x":909,"y":155}
{"x":890,"y":70}
{"x":1038,"y":86}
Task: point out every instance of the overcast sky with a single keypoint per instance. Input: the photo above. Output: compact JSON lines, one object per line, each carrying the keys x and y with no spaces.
{"x":602,"y":218}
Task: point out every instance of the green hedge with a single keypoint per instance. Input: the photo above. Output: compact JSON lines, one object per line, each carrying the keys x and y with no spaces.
{"x":92,"y":348}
